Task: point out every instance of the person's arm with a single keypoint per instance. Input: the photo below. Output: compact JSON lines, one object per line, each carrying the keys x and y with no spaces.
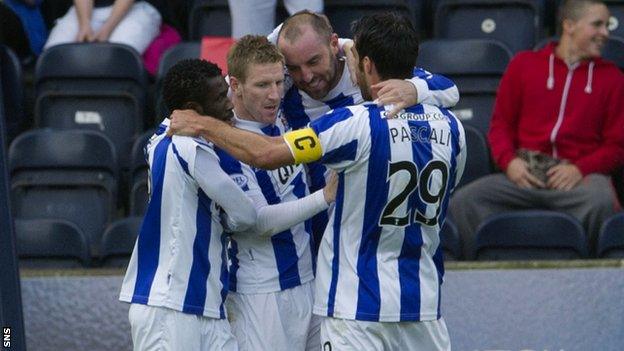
{"x":253,"y":149}
{"x":219,"y":187}
{"x":120,"y":9}
{"x":84,"y":9}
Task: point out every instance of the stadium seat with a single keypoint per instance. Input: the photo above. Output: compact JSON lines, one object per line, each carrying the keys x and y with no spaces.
{"x":613,"y":50}
{"x":451,"y":245}
{"x":139,"y":194}
{"x":516,"y":23}
{"x":476,"y":72}
{"x":342,"y":13}
{"x":118,"y":241}
{"x":611,"y":238}
{"x":47,"y":243}
{"x":12,"y":92}
{"x":530,"y":235}
{"x":209,"y":17}
{"x":94,"y":86}
{"x":478,"y":156}
{"x":70,"y":175}
{"x":616,"y":21}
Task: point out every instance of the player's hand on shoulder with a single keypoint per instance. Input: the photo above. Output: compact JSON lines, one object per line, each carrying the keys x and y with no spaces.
{"x":397,"y":92}
{"x":184,"y":122}
{"x":329,"y":192}
{"x":518,"y":172}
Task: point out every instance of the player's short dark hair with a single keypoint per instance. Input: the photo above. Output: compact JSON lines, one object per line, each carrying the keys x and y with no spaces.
{"x":187,"y":81}
{"x":390,"y":40}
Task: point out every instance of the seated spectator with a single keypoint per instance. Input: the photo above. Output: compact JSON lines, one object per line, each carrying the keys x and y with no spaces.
{"x":557,"y":130}
{"x":119,"y":21}
{"x":32,"y":22}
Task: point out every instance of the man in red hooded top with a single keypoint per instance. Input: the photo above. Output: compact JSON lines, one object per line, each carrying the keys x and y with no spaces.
{"x":565,"y":102}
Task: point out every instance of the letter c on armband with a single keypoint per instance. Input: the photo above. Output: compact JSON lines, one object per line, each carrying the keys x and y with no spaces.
{"x":304,"y":145}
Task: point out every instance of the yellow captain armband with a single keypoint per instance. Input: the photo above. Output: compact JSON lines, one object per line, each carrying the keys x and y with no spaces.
{"x":304,"y":145}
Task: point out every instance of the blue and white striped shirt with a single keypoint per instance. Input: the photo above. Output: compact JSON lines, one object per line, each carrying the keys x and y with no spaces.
{"x":179,"y":260}
{"x":380,"y":258}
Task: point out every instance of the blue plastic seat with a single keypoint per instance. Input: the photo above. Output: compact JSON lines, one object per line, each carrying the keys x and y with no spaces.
{"x":516,"y":23}
{"x":611,"y":238}
{"x":139,"y":196}
{"x":451,"y":244}
{"x":478,"y":163}
{"x":209,"y":17}
{"x":12,"y":92}
{"x":118,"y":241}
{"x":93,"y":86}
{"x":70,"y":175}
{"x":51,"y":243}
{"x":616,"y":21}
{"x":530,"y":235}
{"x":476,"y":72}
{"x":182,"y":51}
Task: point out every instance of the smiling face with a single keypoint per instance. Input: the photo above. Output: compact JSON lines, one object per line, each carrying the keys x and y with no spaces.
{"x":588,"y":34}
{"x":258,"y":97}
{"x":311,"y":62}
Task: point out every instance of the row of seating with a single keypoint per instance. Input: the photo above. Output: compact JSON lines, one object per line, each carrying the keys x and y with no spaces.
{"x":519,"y":24}
{"x":536,"y":235}
{"x":528,"y":235}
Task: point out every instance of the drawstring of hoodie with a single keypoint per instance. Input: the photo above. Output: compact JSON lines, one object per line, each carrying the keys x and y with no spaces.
{"x":550,"y":82}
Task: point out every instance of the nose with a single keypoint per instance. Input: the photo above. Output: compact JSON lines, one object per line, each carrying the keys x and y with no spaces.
{"x":274,"y":92}
{"x":307,"y":75}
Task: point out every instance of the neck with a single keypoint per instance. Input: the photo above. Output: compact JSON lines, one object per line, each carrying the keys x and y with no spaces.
{"x":567,"y":52}
{"x":340,"y":66}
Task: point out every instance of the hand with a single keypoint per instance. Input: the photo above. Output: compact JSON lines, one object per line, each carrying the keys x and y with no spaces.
{"x":397,"y":92}
{"x":103,"y":34}
{"x":329,"y":191}
{"x":85,"y":34}
{"x":564,"y":176}
{"x":518,"y":172}
{"x":184,"y":122}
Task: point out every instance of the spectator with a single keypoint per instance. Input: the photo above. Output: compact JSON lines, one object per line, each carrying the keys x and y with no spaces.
{"x":567,"y":104}
{"x":119,"y":21}
{"x":258,"y":16}
{"x":32,"y":22}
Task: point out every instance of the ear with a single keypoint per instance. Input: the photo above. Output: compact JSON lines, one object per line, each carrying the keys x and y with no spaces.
{"x":192,"y":105}
{"x":333,"y":44}
{"x":567,"y":26}
{"x":235,"y":85}
{"x":368,"y":65}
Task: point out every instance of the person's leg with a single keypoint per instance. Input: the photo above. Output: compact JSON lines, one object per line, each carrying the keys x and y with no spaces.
{"x":252,"y":17}
{"x":138,"y":28}
{"x":473,"y":203}
{"x":217,"y":335}
{"x":64,"y":31}
{"x":293,"y":6}
{"x":159,"y":328}
{"x":591,"y":202}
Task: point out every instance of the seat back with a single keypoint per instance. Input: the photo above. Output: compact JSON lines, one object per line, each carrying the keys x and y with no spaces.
{"x":516,"y":23}
{"x":478,"y":162}
{"x":476,"y":72}
{"x":449,"y":238}
{"x":118,"y":241}
{"x":140,"y":171}
{"x":530,"y":235}
{"x":209,"y":17}
{"x":342,"y":13}
{"x":95,"y":86}
{"x":616,"y":21}
{"x":69,"y":175}
{"x":611,"y":238}
{"x":12,"y":92}
{"x":45,"y":243}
